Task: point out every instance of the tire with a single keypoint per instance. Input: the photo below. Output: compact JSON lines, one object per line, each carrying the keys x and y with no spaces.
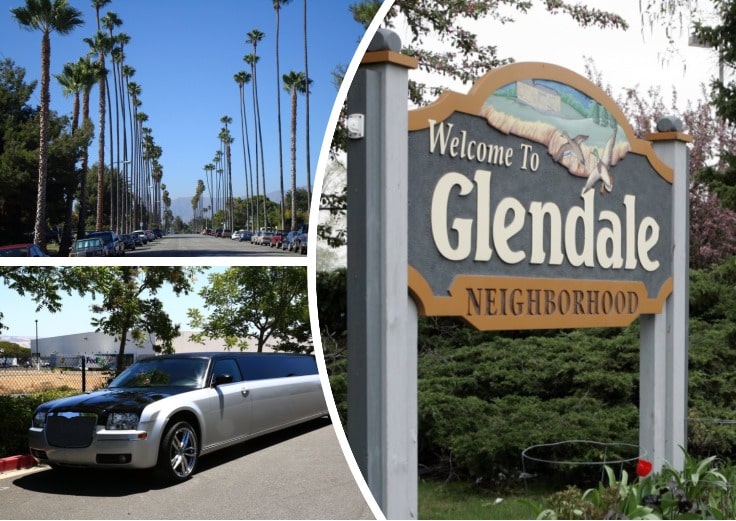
{"x":178,"y":453}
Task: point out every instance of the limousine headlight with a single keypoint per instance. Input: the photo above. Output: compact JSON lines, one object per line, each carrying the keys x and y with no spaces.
{"x":123,"y":420}
{"x":39,"y":419}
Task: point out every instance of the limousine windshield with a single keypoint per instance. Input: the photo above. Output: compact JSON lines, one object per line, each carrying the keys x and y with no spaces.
{"x":166,"y":372}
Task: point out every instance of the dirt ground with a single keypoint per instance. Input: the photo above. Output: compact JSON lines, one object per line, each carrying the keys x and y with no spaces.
{"x":21,"y":381}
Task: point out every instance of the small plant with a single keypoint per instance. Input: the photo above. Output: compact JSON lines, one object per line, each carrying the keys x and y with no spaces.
{"x":703,"y":489}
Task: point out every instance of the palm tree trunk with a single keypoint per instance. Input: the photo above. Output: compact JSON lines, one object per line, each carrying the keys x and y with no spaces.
{"x":101,"y":150}
{"x":39,"y":233}
{"x":66,"y":235}
{"x":306,"y":114}
{"x":82,"y":219}
{"x":278,"y":110}
{"x":293,"y":158}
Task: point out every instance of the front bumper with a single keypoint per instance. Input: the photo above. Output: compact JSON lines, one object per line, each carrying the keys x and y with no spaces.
{"x":135,"y":449}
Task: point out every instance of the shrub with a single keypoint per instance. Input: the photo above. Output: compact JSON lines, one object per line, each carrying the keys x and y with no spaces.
{"x":16,"y":413}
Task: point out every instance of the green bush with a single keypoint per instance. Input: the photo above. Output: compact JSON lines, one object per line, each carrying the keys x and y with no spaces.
{"x":483,"y":397}
{"x":16,"y":413}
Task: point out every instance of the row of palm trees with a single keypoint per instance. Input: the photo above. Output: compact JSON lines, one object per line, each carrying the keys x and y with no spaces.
{"x":136,"y":192}
{"x":219,"y":178}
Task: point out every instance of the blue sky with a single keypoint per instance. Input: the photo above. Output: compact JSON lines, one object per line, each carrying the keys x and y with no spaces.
{"x":185,"y":53}
{"x":19,"y":313}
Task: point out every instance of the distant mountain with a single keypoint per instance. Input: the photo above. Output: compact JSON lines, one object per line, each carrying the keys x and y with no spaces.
{"x":24,"y":341}
{"x":182,"y":206}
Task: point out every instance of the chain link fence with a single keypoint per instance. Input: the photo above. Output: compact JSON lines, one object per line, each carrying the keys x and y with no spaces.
{"x":78,"y":372}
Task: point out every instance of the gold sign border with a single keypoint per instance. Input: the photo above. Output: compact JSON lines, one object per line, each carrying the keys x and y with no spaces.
{"x":472,"y":102}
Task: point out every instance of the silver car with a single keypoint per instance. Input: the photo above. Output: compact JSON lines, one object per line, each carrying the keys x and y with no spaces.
{"x":165,"y":412}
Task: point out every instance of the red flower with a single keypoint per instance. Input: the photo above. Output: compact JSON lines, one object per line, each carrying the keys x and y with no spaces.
{"x":643,"y":468}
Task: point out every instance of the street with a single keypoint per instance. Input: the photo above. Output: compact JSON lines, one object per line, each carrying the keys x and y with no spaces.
{"x":195,"y":245}
{"x":299,"y":473}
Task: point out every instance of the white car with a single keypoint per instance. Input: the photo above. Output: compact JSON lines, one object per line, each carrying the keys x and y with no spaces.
{"x":164,"y":412}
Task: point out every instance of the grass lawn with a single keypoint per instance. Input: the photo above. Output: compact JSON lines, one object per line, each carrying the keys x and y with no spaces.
{"x":440,"y":500}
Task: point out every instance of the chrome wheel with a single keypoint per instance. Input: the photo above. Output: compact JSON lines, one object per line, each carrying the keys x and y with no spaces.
{"x":183,"y":451}
{"x":179,"y":452}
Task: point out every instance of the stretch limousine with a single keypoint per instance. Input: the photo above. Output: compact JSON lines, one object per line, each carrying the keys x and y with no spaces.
{"x":165,"y":412}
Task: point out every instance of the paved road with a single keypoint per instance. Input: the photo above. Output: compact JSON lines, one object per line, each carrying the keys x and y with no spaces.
{"x":194,"y":245}
{"x":299,"y":473}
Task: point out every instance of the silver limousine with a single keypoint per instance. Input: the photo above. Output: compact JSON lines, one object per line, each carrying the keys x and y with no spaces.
{"x":165,"y":412}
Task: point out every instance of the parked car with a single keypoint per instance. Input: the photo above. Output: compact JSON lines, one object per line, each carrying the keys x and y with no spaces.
{"x":21,"y":250}
{"x":128,"y":241}
{"x":300,"y":241}
{"x":113,"y":245}
{"x":287,"y":242}
{"x":277,"y":238}
{"x":142,"y":235}
{"x":88,"y":247}
{"x":245,"y":235}
{"x":164,"y":412}
{"x":236,"y":235}
{"x":264,"y":239}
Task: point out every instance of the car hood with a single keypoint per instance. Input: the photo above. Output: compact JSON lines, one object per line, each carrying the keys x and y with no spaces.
{"x":107,"y":400}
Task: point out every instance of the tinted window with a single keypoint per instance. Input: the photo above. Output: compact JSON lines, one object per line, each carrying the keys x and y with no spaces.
{"x":227,"y":367}
{"x":260,"y":367}
{"x":187,"y":372}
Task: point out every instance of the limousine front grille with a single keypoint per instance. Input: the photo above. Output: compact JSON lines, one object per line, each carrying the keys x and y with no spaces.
{"x":70,"y":429}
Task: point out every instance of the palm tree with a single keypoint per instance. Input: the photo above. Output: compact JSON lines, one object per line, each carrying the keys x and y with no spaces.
{"x":306,"y":112}
{"x":46,"y":16}
{"x":254,"y":37}
{"x":110,"y":21}
{"x":277,"y":8}
{"x":101,"y":45}
{"x":126,"y":72}
{"x":294,"y":83}
{"x":241,"y":78}
{"x":88,"y":78}
{"x":71,"y":81}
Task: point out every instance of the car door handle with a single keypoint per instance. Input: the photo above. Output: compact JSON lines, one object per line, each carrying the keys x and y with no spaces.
{"x":245,"y":392}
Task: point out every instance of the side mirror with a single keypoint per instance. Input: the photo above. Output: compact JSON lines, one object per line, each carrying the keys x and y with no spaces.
{"x":222,"y":379}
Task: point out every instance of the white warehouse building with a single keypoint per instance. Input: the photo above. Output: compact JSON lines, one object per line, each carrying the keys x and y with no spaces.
{"x":94,"y":344}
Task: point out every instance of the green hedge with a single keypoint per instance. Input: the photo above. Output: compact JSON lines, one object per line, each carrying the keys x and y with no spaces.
{"x":16,"y":413}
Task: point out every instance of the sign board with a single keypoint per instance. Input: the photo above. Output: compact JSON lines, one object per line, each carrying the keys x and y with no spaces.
{"x":532,"y":205}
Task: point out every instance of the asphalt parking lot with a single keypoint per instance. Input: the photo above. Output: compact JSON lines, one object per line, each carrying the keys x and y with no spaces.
{"x":299,"y":473}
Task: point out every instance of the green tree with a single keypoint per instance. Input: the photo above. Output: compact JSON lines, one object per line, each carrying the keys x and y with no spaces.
{"x":294,"y":83}
{"x":76,"y":78}
{"x":130,"y":305}
{"x":443,"y":21}
{"x":259,"y":303}
{"x":45,"y":16}
{"x":13,"y":350}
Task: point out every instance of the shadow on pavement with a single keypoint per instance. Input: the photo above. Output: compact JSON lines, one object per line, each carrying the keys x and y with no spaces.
{"x":120,"y":482}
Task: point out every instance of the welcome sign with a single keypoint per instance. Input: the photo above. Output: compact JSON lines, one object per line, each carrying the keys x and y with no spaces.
{"x":532,"y":205}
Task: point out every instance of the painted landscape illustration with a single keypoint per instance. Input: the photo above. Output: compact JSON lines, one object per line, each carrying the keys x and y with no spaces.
{"x":579,"y":133}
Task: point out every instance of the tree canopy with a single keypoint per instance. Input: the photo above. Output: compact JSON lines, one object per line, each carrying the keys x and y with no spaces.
{"x":256,"y":303}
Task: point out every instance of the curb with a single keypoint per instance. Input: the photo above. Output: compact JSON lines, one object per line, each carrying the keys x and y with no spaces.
{"x":17,"y":462}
